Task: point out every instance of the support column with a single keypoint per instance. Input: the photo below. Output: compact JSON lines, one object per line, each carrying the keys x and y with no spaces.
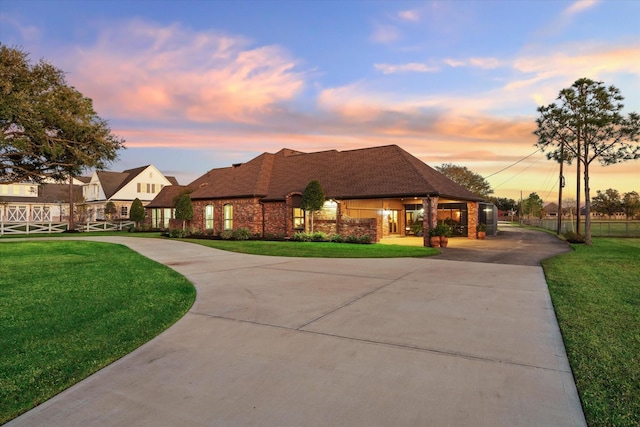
{"x":430,"y":218}
{"x":472,"y":219}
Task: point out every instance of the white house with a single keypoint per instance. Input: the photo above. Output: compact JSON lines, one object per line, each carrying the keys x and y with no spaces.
{"x":122,"y":188}
{"x":37,"y":203}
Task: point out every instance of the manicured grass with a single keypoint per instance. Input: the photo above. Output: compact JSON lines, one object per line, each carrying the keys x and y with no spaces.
{"x":596,"y":296}
{"x":69,"y":308}
{"x":316,"y":249}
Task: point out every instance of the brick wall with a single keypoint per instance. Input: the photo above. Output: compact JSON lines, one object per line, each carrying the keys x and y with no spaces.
{"x":472,"y":219}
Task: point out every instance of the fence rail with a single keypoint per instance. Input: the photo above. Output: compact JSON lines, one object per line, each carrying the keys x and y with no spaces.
{"x":60,"y":227}
{"x":616,"y":228}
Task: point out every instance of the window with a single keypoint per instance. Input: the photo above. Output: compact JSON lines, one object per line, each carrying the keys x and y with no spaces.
{"x":124,"y":212}
{"x":298,"y":218}
{"x":41,"y":214}
{"x":228,"y":217}
{"x":17,"y":214}
{"x":208,"y":217}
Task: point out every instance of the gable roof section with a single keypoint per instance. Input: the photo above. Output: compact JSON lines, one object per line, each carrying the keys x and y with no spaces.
{"x":164,"y":199}
{"x":386,"y":171}
{"x":111,"y":182}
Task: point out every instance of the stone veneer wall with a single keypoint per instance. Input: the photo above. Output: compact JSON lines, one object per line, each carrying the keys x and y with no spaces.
{"x":359,"y":227}
{"x":472,"y":219}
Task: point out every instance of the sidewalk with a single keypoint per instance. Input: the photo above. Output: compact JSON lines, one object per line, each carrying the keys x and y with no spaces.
{"x":336,"y":342}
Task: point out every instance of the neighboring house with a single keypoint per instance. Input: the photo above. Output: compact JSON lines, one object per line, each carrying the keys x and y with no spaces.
{"x":380,"y":191}
{"x":37,"y":203}
{"x":122,"y":188}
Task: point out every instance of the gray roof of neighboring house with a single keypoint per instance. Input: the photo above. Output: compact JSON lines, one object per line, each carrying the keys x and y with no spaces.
{"x":387,"y":171}
{"x":47,"y":193}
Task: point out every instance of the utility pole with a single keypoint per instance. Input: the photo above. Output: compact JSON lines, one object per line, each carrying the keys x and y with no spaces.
{"x":559,"y":230}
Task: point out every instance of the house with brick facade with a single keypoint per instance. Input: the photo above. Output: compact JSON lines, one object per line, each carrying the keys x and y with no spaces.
{"x":379,"y":191}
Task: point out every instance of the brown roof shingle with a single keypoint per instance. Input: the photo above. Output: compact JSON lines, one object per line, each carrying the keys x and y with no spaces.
{"x":387,"y":171}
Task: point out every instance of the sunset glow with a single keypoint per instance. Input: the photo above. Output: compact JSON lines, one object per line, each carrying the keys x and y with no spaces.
{"x":194,"y":85}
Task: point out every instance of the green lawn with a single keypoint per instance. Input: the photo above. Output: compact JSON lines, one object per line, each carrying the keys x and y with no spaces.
{"x":316,"y":249}
{"x":596,"y":296}
{"x":69,"y":308}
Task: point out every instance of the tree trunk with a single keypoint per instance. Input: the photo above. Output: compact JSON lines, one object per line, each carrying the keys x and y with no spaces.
{"x":561,"y":185}
{"x":578,"y":178}
{"x":71,"y":219}
{"x":587,"y":206}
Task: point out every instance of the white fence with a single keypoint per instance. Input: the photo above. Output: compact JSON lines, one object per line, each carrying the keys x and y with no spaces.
{"x":59,"y":227}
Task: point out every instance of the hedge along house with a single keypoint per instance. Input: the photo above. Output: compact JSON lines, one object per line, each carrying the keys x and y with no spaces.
{"x":380,"y":191}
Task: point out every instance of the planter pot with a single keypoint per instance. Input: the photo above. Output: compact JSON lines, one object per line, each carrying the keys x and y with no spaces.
{"x":482,"y":235}
{"x":444,"y":241}
{"x":435,"y":241}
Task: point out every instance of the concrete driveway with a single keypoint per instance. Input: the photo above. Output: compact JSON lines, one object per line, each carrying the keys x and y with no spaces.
{"x":336,"y":342}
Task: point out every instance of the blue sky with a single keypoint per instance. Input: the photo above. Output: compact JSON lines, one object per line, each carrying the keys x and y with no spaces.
{"x":195,"y":85}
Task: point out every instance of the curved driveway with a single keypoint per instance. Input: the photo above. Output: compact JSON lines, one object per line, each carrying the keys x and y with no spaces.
{"x":336,"y":342}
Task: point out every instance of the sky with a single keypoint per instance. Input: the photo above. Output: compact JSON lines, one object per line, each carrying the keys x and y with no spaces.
{"x":197,"y":85}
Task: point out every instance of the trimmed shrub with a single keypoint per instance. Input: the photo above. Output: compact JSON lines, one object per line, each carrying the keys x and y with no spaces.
{"x":241,"y":233}
{"x":365,"y":239}
{"x":573,"y":237}
{"x":302,"y":237}
{"x":178,"y":233}
{"x":226,"y":234}
{"x":336,"y":238}
{"x":319,"y":236}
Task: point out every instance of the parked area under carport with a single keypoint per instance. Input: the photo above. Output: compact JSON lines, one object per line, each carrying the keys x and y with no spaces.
{"x":336,"y":342}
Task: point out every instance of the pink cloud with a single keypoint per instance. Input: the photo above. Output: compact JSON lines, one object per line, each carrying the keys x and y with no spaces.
{"x":172,"y":73}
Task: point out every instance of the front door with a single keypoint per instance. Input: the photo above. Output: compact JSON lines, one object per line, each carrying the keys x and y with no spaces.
{"x":393,"y":221}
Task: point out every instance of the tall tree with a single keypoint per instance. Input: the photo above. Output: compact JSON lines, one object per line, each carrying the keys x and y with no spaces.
{"x":47,"y":128}
{"x":468,"y":179}
{"x":110,"y":210}
{"x":184,"y":208}
{"x":532,"y":205}
{"x":608,"y":203}
{"x":586,"y":123}
{"x":137,"y":212}
{"x":312,"y":199}
{"x":631,"y":204}
{"x":504,"y":204}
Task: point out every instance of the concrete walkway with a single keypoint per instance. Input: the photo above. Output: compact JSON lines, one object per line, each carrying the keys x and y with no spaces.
{"x":336,"y":342}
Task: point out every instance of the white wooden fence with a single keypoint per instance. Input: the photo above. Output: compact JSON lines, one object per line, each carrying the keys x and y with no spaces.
{"x":59,"y":227}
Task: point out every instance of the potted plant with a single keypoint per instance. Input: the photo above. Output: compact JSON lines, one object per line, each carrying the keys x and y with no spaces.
{"x":482,"y":231}
{"x":434,"y":237}
{"x":416,"y":227}
{"x":445,"y":233}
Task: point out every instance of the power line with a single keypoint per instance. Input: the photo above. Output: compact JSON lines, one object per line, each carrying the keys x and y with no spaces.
{"x":512,"y":165}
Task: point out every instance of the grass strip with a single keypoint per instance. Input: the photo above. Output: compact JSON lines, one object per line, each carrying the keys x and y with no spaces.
{"x":69,"y":308}
{"x":316,"y":249}
{"x":596,"y":295}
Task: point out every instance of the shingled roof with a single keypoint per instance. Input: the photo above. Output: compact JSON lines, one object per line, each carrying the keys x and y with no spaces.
{"x":112,"y":182}
{"x":377,"y":172}
{"x":47,"y":193}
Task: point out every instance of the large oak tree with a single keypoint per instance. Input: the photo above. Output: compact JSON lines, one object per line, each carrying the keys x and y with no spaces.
{"x":586,"y":123}
{"x":48,"y":129}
